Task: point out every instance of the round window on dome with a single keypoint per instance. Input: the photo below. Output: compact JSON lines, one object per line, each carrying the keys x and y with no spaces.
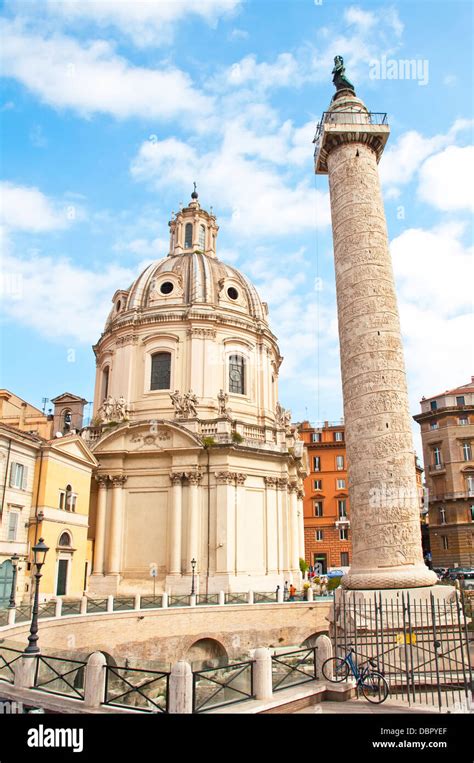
{"x":166,"y":287}
{"x":232,"y":293}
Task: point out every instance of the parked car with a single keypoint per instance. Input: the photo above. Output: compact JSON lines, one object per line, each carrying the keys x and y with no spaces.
{"x":454,"y":573}
{"x":441,"y":572}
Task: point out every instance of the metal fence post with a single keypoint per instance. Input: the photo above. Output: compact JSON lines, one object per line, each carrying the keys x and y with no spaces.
{"x":110,"y":603}
{"x":59,"y":608}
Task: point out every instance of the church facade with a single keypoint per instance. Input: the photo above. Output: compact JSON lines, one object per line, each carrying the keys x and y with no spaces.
{"x":199,"y":466}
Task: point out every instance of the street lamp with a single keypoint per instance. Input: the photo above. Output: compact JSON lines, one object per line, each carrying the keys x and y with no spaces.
{"x":39,"y":555}
{"x":14,"y":560}
{"x":193,"y":566}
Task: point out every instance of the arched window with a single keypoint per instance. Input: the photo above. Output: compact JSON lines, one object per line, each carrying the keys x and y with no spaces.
{"x":67,"y":420}
{"x":237,"y":374}
{"x":188,"y":236}
{"x":65,"y":540}
{"x":161,"y":371}
{"x":202,"y":237}
{"x":105,"y":382}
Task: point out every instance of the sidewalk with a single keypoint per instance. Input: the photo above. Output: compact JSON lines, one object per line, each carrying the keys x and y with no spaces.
{"x":364,"y":707}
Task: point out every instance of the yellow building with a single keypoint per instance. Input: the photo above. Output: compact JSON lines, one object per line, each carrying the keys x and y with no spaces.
{"x":60,"y":514}
{"x":16,"y":412}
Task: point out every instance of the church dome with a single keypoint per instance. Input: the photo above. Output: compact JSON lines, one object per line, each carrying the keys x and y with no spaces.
{"x":190,"y":275}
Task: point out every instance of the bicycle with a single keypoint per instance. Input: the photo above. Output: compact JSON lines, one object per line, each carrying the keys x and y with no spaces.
{"x":371,"y":682}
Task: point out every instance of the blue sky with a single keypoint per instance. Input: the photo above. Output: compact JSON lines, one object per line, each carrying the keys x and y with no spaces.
{"x":110,"y":110}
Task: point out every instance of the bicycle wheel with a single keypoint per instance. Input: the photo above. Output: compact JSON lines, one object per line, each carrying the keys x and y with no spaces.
{"x":374,"y":687}
{"x":335,"y":669}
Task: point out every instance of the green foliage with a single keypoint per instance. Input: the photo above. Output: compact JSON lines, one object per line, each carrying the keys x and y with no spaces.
{"x":208,"y":441}
{"x":333,"y":583}
{"x":237,"y":437}
{"x":304,"y":567}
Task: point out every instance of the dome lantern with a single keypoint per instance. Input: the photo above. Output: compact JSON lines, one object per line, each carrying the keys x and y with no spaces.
{"x":193,"y":230}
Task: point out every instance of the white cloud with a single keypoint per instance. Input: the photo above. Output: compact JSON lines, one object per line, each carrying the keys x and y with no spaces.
{"x":57,"y":298}
{"x":446,"y":179}
{"x":356,"y":16}
{"x":143,"y":247}
{"x":434,"y":273}
{"x":401,"y":161}
{"x":281,"y":73}
{"x":257,"y":197}
{"x":27,"y":209}
{"x":94,"y":79}
{"x":145,"y":22}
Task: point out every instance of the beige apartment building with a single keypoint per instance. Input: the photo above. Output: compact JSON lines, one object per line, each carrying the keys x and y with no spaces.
{"x":447,"y":433}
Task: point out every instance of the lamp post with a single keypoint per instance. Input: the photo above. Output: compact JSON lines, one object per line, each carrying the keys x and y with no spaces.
{"x":39,"y":555}
{"x":14,"y":560}
{"x":193,"y":567}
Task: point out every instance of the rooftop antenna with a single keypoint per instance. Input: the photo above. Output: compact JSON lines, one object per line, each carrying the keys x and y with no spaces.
{"x":44,"y":400}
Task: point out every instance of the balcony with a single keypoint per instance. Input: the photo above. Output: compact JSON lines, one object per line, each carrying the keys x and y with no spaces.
{"x":342,"y":522}
{"x":347,"y":123}
{"x":436,"y":469}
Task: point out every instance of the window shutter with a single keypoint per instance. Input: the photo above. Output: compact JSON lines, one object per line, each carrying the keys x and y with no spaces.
{"x":25,"y":478}
{"x":12,"y":474}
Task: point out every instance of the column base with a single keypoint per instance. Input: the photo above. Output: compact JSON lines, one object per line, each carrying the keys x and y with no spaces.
{"x":231,"y":583}
{"x":103,"y":585}
{"x":409,"y":576}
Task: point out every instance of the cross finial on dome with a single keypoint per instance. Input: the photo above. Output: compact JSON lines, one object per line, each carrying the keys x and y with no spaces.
{"x":194,"y":194}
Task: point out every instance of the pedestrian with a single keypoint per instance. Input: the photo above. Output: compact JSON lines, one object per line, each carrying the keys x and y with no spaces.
{"x":276,"y":592}
{"x":285,"y":591}
{"x":292,"y":592}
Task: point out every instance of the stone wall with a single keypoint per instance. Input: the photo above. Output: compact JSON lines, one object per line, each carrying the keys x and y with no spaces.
{"x":167,"y":635}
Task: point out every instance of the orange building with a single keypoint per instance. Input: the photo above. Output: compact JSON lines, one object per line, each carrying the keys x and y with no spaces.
{"x":326,"y":502}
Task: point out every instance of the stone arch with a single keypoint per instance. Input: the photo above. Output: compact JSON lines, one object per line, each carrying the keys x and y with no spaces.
{"x":206,"y":653}
{"x":311,"y":639}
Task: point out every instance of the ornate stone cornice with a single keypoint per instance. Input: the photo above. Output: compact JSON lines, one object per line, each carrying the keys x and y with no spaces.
{"x":127,"y":339}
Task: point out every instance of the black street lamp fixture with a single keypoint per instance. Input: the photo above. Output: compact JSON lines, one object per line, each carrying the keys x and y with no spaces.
{"x":193,"y":566}
{"x":14,"y":560}
{"x":39,"y":556}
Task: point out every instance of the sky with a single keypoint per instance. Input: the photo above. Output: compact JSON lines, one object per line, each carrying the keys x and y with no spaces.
{"x":110,"y":110}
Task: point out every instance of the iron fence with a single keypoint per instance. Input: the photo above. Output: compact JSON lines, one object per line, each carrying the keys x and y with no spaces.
{"x":179,"y":601}
{"x":236,"y":598}
{"x":143,"y":690}
{"x":124,"y":603}
{"x":97,"y":605}
{"x":8,"y":656}
{"x":207,"y":598}
{"x":72,"y":607}
{"x":60,"y":675}
{"x":3,"y":617}
{"x":265,"y":597}
{"x":151,"y":602}
{"x":47,"y":609}
{"x":225,"y":685}
{"x":293,"y":668}
{"x":22,"y":613}
{"x":420,"y":645}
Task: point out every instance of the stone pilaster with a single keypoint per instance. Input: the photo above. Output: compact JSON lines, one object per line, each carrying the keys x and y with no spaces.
{"x":175,"y":523}
{"x":114,"y":566}
{"x":194,"y":481}
{"x":271,"y":521}
{"x":99,"y":541}
{"x":294,"y":528}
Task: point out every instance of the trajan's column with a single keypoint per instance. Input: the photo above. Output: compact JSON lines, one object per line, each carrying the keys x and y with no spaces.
{"x":385,"y":519}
